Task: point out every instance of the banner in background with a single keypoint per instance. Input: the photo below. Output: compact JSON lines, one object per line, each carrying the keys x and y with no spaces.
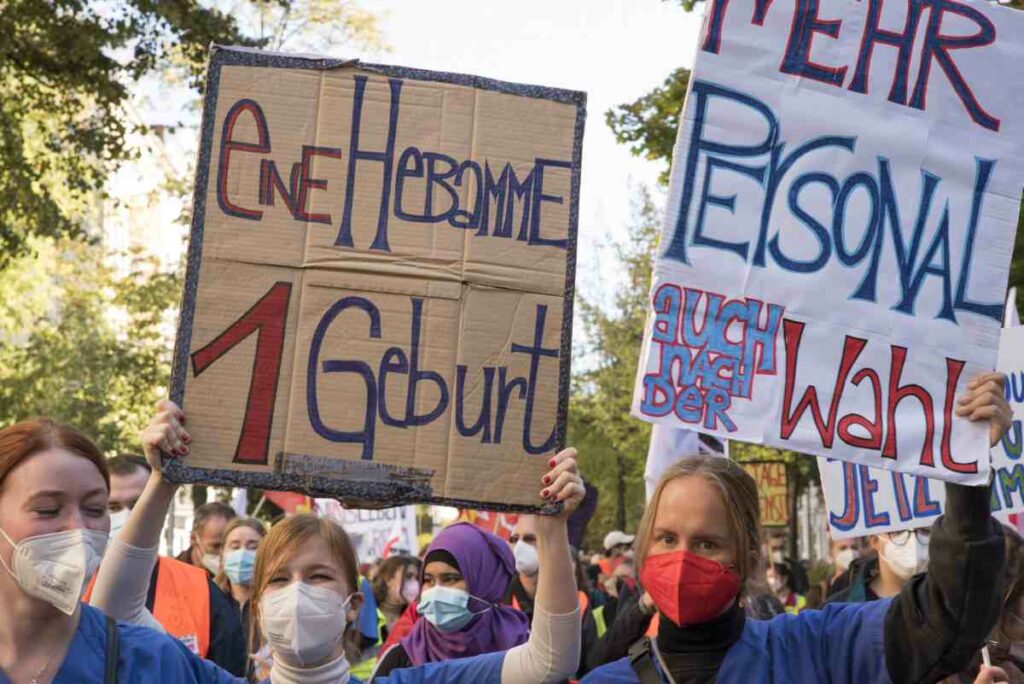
{"x":376,"y":533}
{"x":862,"y":500}
{"x":772,"y":490}
{"x":839,"y":227}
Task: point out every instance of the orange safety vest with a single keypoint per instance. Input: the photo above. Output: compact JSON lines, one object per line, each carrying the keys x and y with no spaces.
{"x":182,"y":603}
{"x":652,"y":629}
{"x":583,"y":599}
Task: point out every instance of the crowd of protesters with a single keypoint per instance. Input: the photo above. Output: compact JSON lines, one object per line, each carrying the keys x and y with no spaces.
{"x":696,"y":593}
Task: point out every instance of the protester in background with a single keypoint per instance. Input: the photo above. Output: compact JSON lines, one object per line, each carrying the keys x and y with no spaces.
{"x":238,"y":557}
{"x":396,"y":585}
{"x":777,"y":548}
{"x":182,"y":597}
{"x":522,"y":592}
{"x":208,"y":524}
{"x":466,"y":574}
{"x":842,"y":553}
{"x":54,"y":528}
{"x":899,"y":556}
{"x":700,"y":540}
{"x":619,"y":586}
{"x":781,"y":583}
{"x":305,"y":578}
{"x":616,"y":545}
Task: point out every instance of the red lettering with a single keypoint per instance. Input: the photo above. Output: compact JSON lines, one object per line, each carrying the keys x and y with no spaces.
{"x":229,"y":145}
{"x":953,"y":371}
{"x":852,"y":348}
{"x":898,"y":394}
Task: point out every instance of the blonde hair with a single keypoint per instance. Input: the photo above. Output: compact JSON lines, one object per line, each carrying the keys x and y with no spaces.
{"x":739,"y":493}
{"x":221,"y":579}
{"x":281,"y":543}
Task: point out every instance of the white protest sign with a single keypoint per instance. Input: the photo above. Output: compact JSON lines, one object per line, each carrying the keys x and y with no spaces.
{"x":842,"y":210}
{"x":375,"y":531}
{"x":862,"y":500}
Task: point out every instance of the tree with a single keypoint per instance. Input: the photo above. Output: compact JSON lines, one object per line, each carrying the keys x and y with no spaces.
{"x":82,"y":344}
{"x":66,"y":72}
{"x":614,"y":443}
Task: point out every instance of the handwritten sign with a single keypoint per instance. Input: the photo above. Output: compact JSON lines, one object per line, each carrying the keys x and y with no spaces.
{"x":862,"y":500}
{"x":375,"y":533}
{"x":842,"y":210}
{"x":378,"y":302}
{"x":772,"y":491}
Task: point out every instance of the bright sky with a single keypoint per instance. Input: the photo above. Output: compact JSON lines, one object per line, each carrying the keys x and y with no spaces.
{"x":615,"y":50}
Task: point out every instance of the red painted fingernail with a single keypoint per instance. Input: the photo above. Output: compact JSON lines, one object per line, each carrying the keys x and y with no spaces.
{"x":545,"y":493}
{"x":186,"y":439}
{"x":547,"y":479}
{"x":552,"y":463}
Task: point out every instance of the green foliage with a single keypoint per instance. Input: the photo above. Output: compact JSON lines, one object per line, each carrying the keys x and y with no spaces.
{"x":649,"y":124}
{"x":83,"y":344}
{"x":612,"y":444}
{"x":65,"y":70}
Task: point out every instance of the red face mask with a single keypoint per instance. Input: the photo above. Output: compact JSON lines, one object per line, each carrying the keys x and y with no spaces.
{"x":689,"y":589}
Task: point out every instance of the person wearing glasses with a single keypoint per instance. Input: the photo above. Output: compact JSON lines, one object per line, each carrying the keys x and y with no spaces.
{"x":899,"y":556}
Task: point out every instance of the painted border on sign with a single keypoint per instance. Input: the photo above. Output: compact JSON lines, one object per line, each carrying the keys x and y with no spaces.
{"x":398,"y":493}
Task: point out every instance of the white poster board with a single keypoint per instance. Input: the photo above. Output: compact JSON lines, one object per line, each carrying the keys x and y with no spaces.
{"x":862,"y":500}
{"x":374,"y":532}
{"x":840,"y":221}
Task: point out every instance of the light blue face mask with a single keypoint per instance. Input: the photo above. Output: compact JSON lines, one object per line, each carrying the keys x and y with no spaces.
{"x":446,"y":608}
{"x":238,"y":566}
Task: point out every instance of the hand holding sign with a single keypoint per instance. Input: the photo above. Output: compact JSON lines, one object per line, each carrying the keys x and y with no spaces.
{"x":986,"y":399}
{"x":165,"y":433}
{"x":563,"y":484}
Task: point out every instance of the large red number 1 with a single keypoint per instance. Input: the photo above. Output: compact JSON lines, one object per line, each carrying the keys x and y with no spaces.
{"x":267,"y":318}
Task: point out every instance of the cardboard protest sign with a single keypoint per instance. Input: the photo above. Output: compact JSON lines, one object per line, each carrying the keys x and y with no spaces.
{"x":378,"y":301}
{"x":375,"y":533}
{"x":772,"y":491}
{"x":862,"y":500}
{"x":842,"y":209}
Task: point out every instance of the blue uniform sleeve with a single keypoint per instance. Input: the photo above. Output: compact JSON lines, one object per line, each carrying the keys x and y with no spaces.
{"x":844,"y":643}
{"x":616,"y":672}
{"x":481,"y":669}
{"x":148,"y":656}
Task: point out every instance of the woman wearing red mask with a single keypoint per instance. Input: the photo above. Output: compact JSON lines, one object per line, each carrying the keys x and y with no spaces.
{"x":700,"y":541}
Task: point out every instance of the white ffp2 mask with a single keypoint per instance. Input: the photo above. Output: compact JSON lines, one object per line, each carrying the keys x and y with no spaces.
{"x":907,"y":559}
{"x":527,"y":562}
{"x":56,"y":567}
{"x":303,"y":622}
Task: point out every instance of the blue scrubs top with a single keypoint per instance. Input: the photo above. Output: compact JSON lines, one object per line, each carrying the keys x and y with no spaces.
{"x":840,"y":644}
{"x":146,"y":657}
{"x":149,"y":657}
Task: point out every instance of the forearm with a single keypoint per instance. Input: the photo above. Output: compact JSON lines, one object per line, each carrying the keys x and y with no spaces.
{"x":123,"y":582}
{"x":552,"y":653}
{"x":147,"y":517}
{"x":939,"y":621}
{"x":556,"y":580}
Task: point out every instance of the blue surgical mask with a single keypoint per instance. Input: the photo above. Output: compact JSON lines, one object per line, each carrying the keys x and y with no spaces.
{"x":238,"y":566}
{"x":446,"y":608}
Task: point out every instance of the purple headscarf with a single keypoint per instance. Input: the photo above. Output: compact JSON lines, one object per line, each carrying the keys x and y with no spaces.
{"x":488,"y":566}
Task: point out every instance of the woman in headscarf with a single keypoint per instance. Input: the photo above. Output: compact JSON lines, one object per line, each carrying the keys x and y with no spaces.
{"x":466,"y":574}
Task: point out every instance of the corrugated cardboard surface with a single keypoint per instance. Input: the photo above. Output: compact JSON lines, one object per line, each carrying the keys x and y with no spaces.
{"x":479,"y":293}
